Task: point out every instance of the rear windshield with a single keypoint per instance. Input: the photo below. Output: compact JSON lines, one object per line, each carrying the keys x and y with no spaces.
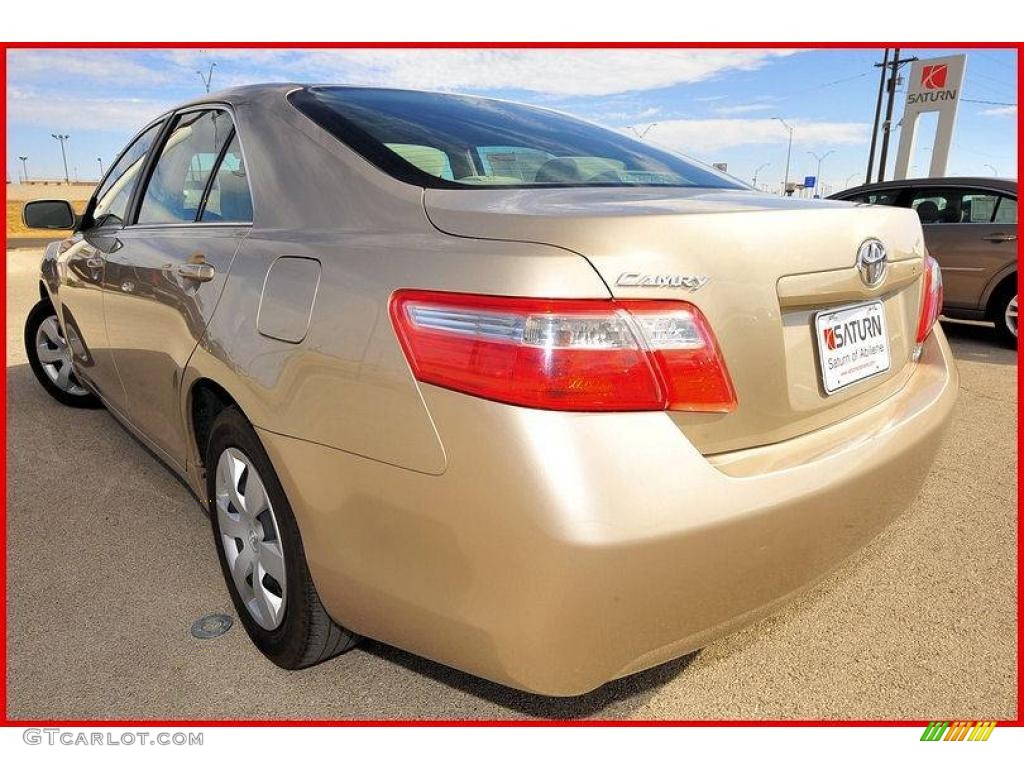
{"x":447,"y":141}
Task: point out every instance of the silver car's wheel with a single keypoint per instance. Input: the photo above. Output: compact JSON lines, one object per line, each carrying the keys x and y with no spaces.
{"x":54,"y":356}
{"x":1010,"y":316}
{"x":250,"y":537}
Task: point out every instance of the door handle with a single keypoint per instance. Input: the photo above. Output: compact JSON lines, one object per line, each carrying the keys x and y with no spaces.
{"x":94,"y":262}
{"x":201,"y":272}
{"x":1000,"y":238}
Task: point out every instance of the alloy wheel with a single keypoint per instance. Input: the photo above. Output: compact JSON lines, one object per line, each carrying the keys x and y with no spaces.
{"x":250,"y":537}
{"x":55,"y":357}
{"x":1010,"y":316}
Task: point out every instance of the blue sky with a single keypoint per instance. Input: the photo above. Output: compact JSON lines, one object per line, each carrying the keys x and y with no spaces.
{"x":715,"y":105}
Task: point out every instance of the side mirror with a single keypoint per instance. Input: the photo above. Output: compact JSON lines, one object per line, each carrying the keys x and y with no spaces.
{"x":49,"y":214}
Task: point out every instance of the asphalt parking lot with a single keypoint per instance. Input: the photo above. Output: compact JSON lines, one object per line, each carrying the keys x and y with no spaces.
{"x":110,"y":560}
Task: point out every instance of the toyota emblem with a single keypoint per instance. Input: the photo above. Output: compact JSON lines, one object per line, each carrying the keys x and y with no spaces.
{"x":872,"y":262}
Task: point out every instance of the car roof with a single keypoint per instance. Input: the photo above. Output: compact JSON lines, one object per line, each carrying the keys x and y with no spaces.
{"x":984,"y":182}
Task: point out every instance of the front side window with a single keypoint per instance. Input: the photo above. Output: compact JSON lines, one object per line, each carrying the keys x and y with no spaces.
{"x":463,"y":142}
{"x":114,"y":194}
{"x":882,"y":198}
{"x":875,"y":198}
{"x":175,"y":190}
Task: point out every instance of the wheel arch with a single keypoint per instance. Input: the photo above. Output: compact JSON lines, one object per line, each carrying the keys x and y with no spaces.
{"x":995,"y":286}
{"x":205,"y":401}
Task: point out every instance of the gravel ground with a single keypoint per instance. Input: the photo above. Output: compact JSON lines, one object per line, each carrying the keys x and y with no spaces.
{"x":110,"y":561}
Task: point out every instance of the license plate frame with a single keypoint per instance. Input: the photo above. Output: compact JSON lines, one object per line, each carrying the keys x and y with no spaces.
{"x":837,"y":375}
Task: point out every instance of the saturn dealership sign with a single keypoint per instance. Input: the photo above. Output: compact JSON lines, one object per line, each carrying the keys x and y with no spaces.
{"x":934,"y":87}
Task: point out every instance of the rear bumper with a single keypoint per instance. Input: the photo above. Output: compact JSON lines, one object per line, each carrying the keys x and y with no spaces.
{"x":559,"y":551}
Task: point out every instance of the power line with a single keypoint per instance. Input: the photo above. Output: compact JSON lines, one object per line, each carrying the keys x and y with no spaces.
{"x":996,"y":103}
{"x":992,"y":58}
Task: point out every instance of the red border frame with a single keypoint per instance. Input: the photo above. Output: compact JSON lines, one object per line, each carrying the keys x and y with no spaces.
{"x":5,"y":721}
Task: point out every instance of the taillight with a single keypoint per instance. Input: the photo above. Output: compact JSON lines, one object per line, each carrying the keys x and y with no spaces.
{"x":569,"y":355}
{"x":931,"y":301}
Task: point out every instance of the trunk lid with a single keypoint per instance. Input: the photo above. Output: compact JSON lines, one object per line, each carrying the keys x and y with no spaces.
{"x":771,"y":265}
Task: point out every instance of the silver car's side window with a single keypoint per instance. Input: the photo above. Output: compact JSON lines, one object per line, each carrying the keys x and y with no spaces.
{"x":115,"y":193}
{"x":175,"y":190}
{"x":228,"y":199}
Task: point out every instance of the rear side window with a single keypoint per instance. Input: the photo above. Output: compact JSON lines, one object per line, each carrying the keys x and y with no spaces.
{"x":114,"y":194}
{"x":954,"y":206}
{"x":175,"y":190}
{"x":1006,"y":213}
{"x":229,"y":198}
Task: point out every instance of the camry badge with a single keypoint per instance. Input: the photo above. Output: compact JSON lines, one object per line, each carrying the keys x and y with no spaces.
{"x":640,"y":280}
{"x":872,"y":262}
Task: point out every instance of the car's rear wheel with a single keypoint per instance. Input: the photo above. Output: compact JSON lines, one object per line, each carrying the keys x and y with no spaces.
{"x":49,"y":357}
{"x":261,"y":553}
{"x":1003,"y":312}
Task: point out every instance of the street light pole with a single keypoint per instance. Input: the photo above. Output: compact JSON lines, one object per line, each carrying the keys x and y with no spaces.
{"x":24,"y":167}
{"x":995,"y":172}
{"x":207,"y":78}
{"x":789,"y":151}
{"x":761,"y":167}
{"x":62,"y":137}
{"x":100,"y":161}
{"x":847,"y":185}
{"x":644,"y":132}
{"x":817,"y":177}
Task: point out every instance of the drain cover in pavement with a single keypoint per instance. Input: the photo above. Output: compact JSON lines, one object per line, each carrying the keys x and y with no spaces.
{"x":211,"y":625}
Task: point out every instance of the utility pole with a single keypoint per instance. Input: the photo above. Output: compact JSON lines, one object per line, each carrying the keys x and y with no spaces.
{"x":878,"y":113}
{"x":208,"y":77}
{"x":62,"y":137}
{"x":644,"y":132}
{"x":896,"y":63}
{"x":761,"y":167}
{"x":817,"y":177}
{"x":100,"y":161}
{"x":789,"y":152}
{"x":24,"y":167}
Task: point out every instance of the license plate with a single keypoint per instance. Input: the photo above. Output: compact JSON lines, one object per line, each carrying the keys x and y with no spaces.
{"x":853,"y":344}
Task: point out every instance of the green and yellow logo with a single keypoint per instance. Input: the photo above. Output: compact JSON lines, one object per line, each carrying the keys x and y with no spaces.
{"x":961,"y":730}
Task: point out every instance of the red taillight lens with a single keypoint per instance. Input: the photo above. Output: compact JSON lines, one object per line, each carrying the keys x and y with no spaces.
{"x":570,"y":355}
{"x":931,"y":301}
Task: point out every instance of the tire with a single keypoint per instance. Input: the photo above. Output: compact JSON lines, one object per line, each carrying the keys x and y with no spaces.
{"x":287,"y":622}
{"x":1003,"y":312}
{"x":50,"y":358}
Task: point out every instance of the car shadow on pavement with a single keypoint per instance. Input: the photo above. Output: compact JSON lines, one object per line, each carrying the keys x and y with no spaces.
{"x":977,"y":342}
{"x":610,"y":701}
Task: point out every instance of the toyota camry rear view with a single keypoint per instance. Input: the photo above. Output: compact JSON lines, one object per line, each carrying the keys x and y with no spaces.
{"x":491,"y":384}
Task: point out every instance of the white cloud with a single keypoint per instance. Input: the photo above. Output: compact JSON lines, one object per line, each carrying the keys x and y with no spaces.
{"x":1000,"y":111}
{"x":741,"y":109}
{"x":551,"y":71}
{"x":81,"y":114}
{"x":106,"y":66}
{"x":701,"y":136}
